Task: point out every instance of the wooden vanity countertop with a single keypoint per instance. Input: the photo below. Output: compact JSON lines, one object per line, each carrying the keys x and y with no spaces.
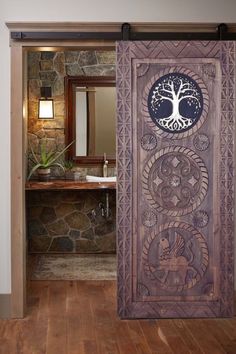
{"x":60,"y":184}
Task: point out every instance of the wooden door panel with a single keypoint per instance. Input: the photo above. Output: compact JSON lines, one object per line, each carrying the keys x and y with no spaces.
{"x":175,"y":163}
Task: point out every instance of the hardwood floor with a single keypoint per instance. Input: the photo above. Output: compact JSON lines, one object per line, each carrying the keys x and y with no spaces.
{"x":79,"y":317}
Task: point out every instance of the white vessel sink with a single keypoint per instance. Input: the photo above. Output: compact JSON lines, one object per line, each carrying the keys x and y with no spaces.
{"x":100,"y":179}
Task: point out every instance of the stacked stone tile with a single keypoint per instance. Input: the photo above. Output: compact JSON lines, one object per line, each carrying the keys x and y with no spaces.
{"x":64,"y":222}
{"x":49,"y":69}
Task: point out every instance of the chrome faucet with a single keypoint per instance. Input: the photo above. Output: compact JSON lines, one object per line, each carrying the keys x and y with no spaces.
{"x":105,"y":166}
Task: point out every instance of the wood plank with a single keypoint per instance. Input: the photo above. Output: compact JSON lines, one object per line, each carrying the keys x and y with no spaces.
{"x":228,"y":334}
{"x":207,"y":342}
{"x":8,"y":342}
{"x":43,"y":316}
{"x":68,"y":185}
{"x":71,"y":317}
{"x":18,"y":280}
{"x":80,"y":326}
{"x":138,"y":338}
{"x":105,"y":329}
{"x":189,"y":340}
{"x":57,"y":326}
{"x":90,"y":346}
{"x":129,"y":336}
{"x":226,"y":341}
{"x":157,"y":342}
{"x":168,"y":332}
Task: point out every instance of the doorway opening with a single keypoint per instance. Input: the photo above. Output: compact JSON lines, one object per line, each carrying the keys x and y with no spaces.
{"x":71,"y":227}
{"x":73,"y":223}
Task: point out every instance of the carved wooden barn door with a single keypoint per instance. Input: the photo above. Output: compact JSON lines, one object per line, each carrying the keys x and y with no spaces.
{"x":175,"y":179}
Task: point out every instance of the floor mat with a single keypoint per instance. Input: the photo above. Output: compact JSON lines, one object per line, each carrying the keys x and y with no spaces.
{"x":74,"y":267}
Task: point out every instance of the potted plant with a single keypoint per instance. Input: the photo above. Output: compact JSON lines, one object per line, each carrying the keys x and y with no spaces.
{"x":45,"y":161}
{"x":68,"y":166}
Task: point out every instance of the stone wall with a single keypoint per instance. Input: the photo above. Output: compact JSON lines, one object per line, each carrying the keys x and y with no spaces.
{"x":64,"y":221}
{"x":70,"y":222}
{"x":49,"y":69}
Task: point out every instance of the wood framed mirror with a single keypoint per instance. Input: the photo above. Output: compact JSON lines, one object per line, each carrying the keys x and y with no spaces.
{"x":91,"y":118}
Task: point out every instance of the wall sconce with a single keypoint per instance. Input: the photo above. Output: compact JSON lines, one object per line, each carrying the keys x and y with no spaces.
{"x":46,"y":110}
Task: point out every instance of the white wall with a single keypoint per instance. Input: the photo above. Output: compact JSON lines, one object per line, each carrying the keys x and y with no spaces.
{"x":215,"y":11}
{"x":120,"y":10}
{"x":4,"y":162}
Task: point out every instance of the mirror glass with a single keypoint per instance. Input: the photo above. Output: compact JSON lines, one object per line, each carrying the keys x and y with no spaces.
{"x":91,"y":118}
{"x":95,"y":111}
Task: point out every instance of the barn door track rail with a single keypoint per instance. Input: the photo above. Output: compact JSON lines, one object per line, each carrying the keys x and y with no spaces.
{"x":126,"y":34}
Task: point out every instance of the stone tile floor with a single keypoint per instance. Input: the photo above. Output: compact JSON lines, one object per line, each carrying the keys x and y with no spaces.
{"x":73,"y":267}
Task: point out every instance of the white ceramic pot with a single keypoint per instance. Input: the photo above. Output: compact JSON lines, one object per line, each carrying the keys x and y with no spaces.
{"x":44,"y":174}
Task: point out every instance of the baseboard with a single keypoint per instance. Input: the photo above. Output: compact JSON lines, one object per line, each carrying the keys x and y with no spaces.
{"x":5,"y":306}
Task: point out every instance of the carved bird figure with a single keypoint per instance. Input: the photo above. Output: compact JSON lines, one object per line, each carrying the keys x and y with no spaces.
{"x":171,"y":259}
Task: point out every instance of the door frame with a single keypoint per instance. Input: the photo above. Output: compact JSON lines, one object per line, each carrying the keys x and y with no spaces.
{"x":18,"y":119}
{"x":18,"y":152}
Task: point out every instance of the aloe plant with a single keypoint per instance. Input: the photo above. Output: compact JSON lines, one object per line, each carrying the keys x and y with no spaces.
{"x":69,"y":165}
{"x":47,"y":159}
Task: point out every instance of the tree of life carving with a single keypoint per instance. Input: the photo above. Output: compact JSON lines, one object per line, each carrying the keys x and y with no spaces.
{"x":175,"y":102}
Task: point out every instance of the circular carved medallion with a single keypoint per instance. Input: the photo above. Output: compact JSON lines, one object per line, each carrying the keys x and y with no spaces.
{"x":175,"y":102}
{"x":201,"y":142}
{"x":200,"y":218}
{"x":176,"y":256}
{"x":175,"y":181}
{"x":149,"y":218}
{"x":149,"y":142}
